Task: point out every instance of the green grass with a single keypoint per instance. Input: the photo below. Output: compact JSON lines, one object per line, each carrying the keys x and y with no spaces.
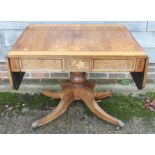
{"x":126,"y":107}
{"x":19,"y":101}
{"x":121,"y":106}
{"x":125,"y":81}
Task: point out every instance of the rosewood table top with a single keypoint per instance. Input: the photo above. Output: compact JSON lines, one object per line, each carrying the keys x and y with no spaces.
{"x":77,"y":40}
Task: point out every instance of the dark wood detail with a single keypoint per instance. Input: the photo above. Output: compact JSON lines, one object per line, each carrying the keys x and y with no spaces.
{"x":16,"y":79}
{"x":138,"y":78}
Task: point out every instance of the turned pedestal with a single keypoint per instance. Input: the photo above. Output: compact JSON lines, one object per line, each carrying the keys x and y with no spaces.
{"x":78,"y":88}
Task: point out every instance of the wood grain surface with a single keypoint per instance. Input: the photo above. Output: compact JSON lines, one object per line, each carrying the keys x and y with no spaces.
{"x":78,"y":48}
{"x":76,"y":40}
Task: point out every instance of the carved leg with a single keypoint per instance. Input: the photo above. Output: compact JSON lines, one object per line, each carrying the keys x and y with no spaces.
{"x":91,"y":85}
{"x":101,"y":95}
{"x":51,"y":93}
{"x":88,"y":98}
{"x":77,"y":89}
{"x":65,"y":84}
{"x":67,"y":98}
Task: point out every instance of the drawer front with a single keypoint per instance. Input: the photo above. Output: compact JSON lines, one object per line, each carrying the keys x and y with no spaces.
{"x":78,"y":64}
{"x":114,"y":65}
{"x":140,"y":64}
{"x":14,"y":64}
{"x":42,"y":64}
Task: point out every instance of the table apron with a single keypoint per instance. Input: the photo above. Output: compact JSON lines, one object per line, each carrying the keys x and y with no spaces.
{"x":108,"y":64}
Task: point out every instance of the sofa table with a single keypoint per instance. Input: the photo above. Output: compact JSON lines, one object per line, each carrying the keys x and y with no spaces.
{"x":77,"y":49}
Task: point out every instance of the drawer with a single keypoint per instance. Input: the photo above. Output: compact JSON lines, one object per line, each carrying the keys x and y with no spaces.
{"x":41,"y":64}
{"x":14,"y":64}
{"x":114,"y":65}
{"x":140,"y":64}
{"x":78,"y":65}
